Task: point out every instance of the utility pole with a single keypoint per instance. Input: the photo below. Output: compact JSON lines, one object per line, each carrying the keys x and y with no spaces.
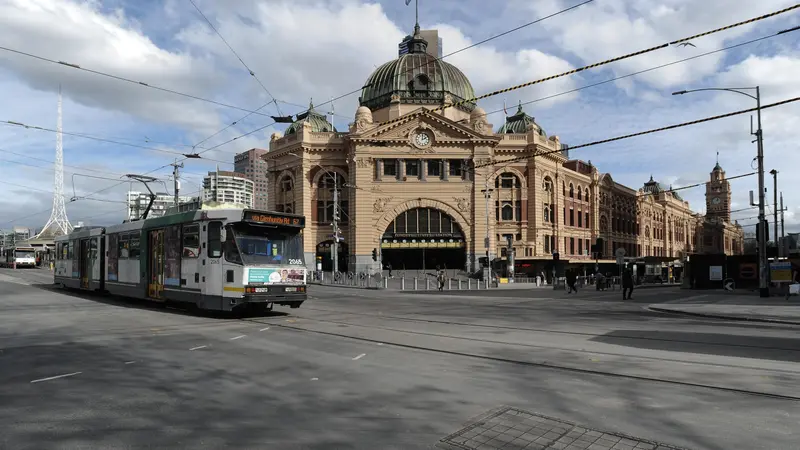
{"x":762,"y":241}
{"x":775,"y":210}
{"x":175,"y":176}
{"x":335,"y":246}
{"x":783,"y":236}
{"x":487,"y":272}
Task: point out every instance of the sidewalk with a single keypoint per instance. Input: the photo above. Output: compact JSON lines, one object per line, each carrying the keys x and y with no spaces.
{"x":748,"y":307}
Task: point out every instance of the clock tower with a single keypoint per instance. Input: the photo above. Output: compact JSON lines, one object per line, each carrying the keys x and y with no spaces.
{"x":718,"y":196}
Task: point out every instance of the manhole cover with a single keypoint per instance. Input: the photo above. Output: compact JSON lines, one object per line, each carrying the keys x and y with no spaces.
{"x":514,"y":429}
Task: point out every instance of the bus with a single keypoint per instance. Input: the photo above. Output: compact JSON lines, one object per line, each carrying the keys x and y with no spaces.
{"x":215,"y":259}
{"x":22,"y":256}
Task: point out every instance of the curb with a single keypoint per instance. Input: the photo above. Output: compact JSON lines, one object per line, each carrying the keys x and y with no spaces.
{"x":363,"y":288}
{"x":722,"y":316}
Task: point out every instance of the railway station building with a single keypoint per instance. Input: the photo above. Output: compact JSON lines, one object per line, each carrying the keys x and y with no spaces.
{"x":423,"y":188}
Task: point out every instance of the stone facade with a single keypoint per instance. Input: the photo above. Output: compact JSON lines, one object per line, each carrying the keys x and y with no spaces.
{"x":406,"y":157}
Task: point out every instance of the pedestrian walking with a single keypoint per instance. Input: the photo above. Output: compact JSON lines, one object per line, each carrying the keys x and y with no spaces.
{"x":627,"y":284}
{"x":389,"y":268}
{"x":441,"y":278}
{"x":571,"y":276}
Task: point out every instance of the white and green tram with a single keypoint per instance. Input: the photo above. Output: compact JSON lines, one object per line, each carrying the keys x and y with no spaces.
{"x":216,"y":259}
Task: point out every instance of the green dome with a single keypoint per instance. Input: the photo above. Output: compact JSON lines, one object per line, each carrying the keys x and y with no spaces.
{"x":318,"y":122}
{"x":416,"y":78}
{"x":518,"y":124}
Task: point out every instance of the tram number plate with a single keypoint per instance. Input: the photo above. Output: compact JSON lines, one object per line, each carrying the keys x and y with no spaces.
{"x":291,"y":289}
{"x":262,"y":289}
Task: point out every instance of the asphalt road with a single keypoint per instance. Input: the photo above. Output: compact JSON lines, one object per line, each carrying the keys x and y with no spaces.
{"x":385,"y":370}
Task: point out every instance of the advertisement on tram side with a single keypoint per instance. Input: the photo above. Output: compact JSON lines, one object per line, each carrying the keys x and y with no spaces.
{"x":282,"y":275}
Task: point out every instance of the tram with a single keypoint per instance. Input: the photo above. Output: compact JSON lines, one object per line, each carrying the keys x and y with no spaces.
{"x":217,"y":259}
{"x":22,"y":256}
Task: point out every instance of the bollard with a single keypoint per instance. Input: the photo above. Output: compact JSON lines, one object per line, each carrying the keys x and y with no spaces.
{"x":403,"y":284}
{"x":386,"y":283}
{"x":469,"y":284}
{"x":415,"y":283}
{"x":459,"y":284}
{"x":449,"y":284}
{"x":427,"y":284}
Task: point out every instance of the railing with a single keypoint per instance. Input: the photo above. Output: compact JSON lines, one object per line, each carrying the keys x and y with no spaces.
{"x":416,"y":282}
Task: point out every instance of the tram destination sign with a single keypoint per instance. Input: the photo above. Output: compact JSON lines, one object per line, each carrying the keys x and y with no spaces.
{"x":274,"y":219}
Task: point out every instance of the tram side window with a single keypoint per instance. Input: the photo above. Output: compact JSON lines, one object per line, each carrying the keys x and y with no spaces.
{"x":215,"y":239}
{"x":231,"y":250}
{"x":191,"y":241}
{"x":71,"y":250}
{"x":59,"y":249}
{"x":133,"y":246}
{"x":124,"y":246}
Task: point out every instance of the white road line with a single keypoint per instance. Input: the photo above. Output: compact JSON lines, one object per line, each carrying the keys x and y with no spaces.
{"x":315,"y":379}
{"x":238,"y":337}
{"x":129,"y":362}
{"x":264,"y":329}
{"x":56,"y":377}
{"x":380,"y":343}
{"x":359,"y":356}
{"x":197,"y":348}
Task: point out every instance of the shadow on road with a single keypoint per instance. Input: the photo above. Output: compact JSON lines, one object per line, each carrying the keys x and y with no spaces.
{"x":770,"y":348}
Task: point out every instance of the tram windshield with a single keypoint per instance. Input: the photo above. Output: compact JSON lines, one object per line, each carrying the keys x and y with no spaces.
{"x":252,"y":244}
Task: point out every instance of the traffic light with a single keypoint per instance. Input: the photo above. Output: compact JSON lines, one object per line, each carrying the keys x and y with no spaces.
{"x":374,"y":254}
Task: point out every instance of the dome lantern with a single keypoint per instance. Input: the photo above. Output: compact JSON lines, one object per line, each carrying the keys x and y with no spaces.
{"x":316,"y":121}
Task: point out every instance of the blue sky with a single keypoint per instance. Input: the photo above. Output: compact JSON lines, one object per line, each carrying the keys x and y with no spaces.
{"x":325,"y":48}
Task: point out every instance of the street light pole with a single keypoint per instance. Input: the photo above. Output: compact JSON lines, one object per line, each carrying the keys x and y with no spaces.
{"x":487,"y":195}
{"x":763,"y":287}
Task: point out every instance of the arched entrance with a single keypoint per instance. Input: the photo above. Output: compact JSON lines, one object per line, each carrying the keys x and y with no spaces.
{"x":324,"y":252}
{"x":422,"y":239}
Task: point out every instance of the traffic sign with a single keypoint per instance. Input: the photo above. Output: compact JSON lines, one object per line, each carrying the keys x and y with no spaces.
{"x":729,"y":285}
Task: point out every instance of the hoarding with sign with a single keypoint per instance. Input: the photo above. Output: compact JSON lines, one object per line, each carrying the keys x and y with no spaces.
{"x":780,"y":272}
{"x":715,"y":273}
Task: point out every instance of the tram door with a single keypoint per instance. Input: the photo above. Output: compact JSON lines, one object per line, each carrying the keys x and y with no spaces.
{"x":85,"y":257}
{"x":155,"y":284}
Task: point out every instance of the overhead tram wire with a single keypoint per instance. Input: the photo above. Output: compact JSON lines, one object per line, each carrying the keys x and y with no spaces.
{"x":608,"y":61}
{"x":640,"y":133}
{"x":490,"y":38}
{"x":580,"y":69}
{"x":414,"y":68}
{"x":252,"y":73}
{"x":639,"y":72}
{"x":99,"y":139}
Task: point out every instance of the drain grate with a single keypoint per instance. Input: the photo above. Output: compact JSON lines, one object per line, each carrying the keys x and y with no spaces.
{"x":514,"y":429}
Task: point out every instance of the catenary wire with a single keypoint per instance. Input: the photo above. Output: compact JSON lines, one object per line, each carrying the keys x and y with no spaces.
{"x":99,"y":139}
{"x":639,"y":72}
{"x":605,"y":62}
{"x":252,"y":74}
{"x":501,"y":91}
{"x":640,"y":133}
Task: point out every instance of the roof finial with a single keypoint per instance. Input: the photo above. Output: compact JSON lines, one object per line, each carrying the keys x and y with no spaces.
{"x":717,"y":157}
{"x":651,"y":178}
{"x":310,"y":103}
{"x":519,"y":108}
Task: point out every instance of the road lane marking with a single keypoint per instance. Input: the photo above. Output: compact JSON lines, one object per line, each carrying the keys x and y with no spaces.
{"x":197,"y":348}
{"x":129,"y":362}
{"x":264,"y":329}
{"x":56,"y":377}
{"x":359,"y":356}
{"x":380,"y":343}
{"x":238,"y":337}
{"x":314,"y":379}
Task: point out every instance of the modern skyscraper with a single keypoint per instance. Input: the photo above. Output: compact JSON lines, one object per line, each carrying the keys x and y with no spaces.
{"x":228,"y":187}
{"x":254,"y":168}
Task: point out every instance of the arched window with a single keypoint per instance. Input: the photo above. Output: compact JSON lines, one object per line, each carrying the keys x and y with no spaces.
{"x":509,"y":197}
{"x":324,"y":197}
{"x":603,"y":224}
{"x":647,"y":231}
{"x":571,"y":191}
{"x":580,"y":193}
{"x":284,"y":201}
{"x":586,"y":194}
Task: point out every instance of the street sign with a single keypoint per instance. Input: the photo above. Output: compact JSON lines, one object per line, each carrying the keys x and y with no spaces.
{"x":729,"y":285}
{"x":715,"y":273}
{"x":780,"y":272}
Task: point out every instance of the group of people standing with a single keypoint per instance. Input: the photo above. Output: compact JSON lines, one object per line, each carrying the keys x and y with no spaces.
{"x":571,"y":277}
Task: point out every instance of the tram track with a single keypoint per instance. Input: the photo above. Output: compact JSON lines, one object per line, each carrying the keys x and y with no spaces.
{"x":539,"y":364}
{"x":547,"y":330}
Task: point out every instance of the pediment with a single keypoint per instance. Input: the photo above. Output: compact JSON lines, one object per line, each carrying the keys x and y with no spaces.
{"x":443,"y":129}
